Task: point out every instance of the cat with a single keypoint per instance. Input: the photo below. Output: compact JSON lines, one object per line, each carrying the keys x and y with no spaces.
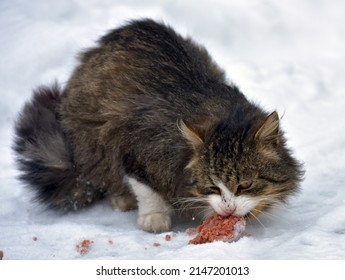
{"x":148,"y":120}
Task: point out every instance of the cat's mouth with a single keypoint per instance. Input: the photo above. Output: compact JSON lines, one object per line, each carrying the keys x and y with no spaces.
{"x":229,"y":212}
{"x":225,"y":212}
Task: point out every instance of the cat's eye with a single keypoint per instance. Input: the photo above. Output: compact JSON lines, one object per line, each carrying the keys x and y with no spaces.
{"x":245,"y":185}
{"x":214,"y":190}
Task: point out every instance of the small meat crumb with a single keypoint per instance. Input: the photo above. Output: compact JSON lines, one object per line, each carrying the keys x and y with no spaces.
{"x":84,"y":246}
{"x":156,"y":244}
{"x":34,"y":238}
{"x":168,"y":237}
{"x":110,"y":242}
{"x":1,"y":255}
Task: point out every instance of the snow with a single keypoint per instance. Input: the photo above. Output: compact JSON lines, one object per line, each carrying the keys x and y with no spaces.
{"x":285,"y":55}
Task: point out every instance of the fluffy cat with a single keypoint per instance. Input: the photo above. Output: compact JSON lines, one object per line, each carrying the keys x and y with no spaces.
{"x":148,"y":120}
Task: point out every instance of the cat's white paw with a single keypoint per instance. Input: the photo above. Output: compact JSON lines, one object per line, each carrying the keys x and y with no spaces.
{"x":157,"y":222}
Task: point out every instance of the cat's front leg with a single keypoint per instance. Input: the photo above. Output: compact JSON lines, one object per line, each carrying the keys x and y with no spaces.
{"x":154,"y":213}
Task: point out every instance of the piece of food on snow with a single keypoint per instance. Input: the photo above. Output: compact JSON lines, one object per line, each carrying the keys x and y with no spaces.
{"x":219,"y":228}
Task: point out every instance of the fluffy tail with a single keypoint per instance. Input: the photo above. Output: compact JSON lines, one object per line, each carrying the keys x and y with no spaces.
{"x":43,"y":152}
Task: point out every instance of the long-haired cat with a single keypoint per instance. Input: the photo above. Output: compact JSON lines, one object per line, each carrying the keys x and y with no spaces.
{"x":148,"y":120}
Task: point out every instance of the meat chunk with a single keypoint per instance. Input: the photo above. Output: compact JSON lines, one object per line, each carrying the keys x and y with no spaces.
{"x":219,"y":228}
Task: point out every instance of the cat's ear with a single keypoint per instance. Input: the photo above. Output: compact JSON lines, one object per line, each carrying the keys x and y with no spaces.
{"x":268,"y":132}
{"x":195,"y":132}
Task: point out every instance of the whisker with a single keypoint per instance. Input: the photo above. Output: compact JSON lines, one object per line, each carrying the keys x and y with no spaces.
{"x":268,"y":214}
{"x":273,"y":204}
{"x":196,"y":205}
{"x":189,"y":208}
{"x":204,"y":213}
{"x":256,"y":218}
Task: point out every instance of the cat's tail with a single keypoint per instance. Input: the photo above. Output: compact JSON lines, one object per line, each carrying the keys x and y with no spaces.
{"x":42,"y":150}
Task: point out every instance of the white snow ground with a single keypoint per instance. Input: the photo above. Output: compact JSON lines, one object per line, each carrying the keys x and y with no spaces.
{"x":286,"y":55}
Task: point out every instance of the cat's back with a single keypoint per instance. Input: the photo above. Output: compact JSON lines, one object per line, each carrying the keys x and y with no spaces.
{"x":144,"y":57}
{"x":164,"y":55}
{"x":145,"y":67}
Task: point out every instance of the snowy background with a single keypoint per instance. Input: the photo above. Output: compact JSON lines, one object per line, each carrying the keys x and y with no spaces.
{"x":286,"y":55}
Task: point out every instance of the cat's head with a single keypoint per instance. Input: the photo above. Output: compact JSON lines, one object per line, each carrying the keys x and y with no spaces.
{"x":243,"y":168}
